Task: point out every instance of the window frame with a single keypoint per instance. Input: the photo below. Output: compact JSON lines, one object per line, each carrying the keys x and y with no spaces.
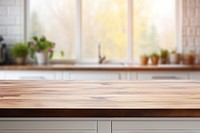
{"x":130,"y":34}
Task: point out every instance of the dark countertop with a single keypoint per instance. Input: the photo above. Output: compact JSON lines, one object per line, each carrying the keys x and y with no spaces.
{"x":100,"y":98}
{"x":107,"y":67}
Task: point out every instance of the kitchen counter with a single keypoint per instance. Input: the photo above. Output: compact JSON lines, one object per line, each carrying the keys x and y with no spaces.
{"x":100,"y":99}
{"x":103,"y":67}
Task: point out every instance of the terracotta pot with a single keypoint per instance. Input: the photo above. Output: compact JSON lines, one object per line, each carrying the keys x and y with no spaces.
{"x":21,"y":60}
{"x":188,"y":59}
{"x":144,"y":60}
{"x":154,"y":60}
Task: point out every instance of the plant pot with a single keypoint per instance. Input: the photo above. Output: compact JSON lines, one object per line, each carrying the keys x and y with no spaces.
{"x":21,"y":60}
{"x":144,"y":60}
{"x":164,"y":60}
{"x":188,"y":59}
{"x":174,"y":58}
{"x":155,"y":60}
{"x":42,"y":58}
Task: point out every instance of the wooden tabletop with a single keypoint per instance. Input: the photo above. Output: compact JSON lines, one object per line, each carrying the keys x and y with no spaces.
{"x":99,"y":98}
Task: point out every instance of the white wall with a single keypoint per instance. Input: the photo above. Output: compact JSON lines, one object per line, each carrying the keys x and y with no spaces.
{"x":191,"y":26}
{"x":11,"y":21}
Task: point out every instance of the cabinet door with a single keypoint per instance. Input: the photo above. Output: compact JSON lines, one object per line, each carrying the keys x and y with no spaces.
{"x":48,"y":126}
{"x":132,"y":76}
{"x":163,"y":75}
{"x":195,"y":75}
{"x":30,"y":75}
{"x":154,"y":126}
{"x":2,"y":75}
{"x":96,"y":75}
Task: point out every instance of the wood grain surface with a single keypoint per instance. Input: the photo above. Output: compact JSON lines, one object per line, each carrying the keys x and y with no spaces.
{"x":108,"y":67}
{"x":100,"y":98}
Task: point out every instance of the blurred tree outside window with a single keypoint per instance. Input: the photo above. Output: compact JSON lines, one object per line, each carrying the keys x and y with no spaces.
{"x":154,"y":26}
{"x":56,"y":20}
{"x":105,"y":21}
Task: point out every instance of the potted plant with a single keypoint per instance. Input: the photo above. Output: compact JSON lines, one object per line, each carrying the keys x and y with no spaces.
{"x":189,"y":58}
{"x":164,"y":56}
{"x":144,"y":59}
{"x":174,"y":57}
{"x":20,"y":52}
{"x":41,"y":49}
{"x":154,"y":58}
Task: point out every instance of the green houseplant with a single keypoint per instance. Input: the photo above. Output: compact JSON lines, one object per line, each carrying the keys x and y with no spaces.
{"x":164,"y":54}
{"x":154,"y":58}
{"x":41,"y":49}
{"x":20,"y":52}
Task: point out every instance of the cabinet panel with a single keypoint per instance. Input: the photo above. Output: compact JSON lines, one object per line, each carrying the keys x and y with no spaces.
{"x":156,"y":131}
{"x":47,"y":131}
{"x":132,"y":76}
{"x":195,"y":75}
{"x":48,"y":126}
{"x":96,"y":75}
{"x":156,"y":126}
{"x":30,"y":75}
{"x":163,"y":75}
{"x":104,"y":127}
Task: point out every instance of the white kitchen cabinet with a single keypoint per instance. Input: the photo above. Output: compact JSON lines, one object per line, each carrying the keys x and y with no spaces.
{"x":2,"y":75}
{"x":195,"y":75}
{"x":104,"y":127}
{"x":44,"y":126}
{"x":132,"y":75}
{"x":30,"y":75}
{"x":156,"y":126}
{"x":162,"y":75}
{"x":95,"y":75}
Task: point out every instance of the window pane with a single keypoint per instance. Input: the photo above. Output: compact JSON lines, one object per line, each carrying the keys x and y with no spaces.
{"x":104,"y":21}
{"x":154,"y":26}
{"x":56,"y":20}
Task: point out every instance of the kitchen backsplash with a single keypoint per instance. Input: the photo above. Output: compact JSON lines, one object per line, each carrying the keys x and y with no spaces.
{"x":191,"y":26}
{"x":12,"y":23}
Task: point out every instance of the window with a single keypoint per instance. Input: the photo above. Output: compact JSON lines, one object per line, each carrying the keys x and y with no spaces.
{"x":154,"y":26}
{"x":104,"y":21}
{"x":50,"y":18}
{"x":77,"y":26}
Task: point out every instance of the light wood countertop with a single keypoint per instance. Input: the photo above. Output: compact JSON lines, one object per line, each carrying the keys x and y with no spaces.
{"x":108,"y":67}
{"x":99,"y":98}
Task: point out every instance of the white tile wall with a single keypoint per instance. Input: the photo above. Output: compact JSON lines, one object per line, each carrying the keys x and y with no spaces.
{"x":11,"y":22}
{"x":191,"y":26}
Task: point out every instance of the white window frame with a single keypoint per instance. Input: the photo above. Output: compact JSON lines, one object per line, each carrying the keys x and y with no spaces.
{"x":130,"y":42}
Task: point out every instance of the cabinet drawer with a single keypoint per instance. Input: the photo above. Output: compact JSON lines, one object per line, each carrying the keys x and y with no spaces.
{"x":40,"y":126}
{"x":153,"y":126}
{"x":30,"y":75}
{"x":163,"y":75}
